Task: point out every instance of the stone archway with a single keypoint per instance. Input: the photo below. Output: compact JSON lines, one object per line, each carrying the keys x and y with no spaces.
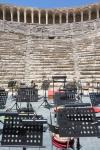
{"x":70,"y":17}
{"x":78,"y":16}
{"x":50,"y":17}
{"x":85,"y":15}
{"x":1,"y":14}
{"x":28,"y":16}
{"x":7,"y":14}
{"x":93,"y":14}
{"x":21,"y":15}
{"x":36,"y":17}
{"x":43,"y":17}
{"x":57,"y":19}
{"x":63,"y":17}
{"x":15,"y":18}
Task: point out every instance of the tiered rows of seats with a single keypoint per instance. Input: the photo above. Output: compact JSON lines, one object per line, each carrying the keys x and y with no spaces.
{"x":12,"y":54}
{"x":72,"y":50}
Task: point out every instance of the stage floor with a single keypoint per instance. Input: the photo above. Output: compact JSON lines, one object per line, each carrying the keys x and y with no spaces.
{"x":89,"y":143}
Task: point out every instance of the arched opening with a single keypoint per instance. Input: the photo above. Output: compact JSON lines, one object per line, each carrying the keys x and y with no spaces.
{"x":7,"y":14}
{"x":43,"y":17}
{"x":1,"y":14}
{"x":93,"y":14}
{"x":28,"y":16}
{"x":15,"y":15}
{"x":21,"y":15}
{"x":50,"y":17}
{"x":36,"y":17}
{"x":57,"y":20}
{"x":85,"y":15}
{"x":78,"y":17}
{"x":70,"y":17}
{"x":63,"y":18}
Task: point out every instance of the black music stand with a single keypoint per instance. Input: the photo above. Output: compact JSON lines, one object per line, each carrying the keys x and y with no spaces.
{"x":27,"y":94}
{"x":77,"y":122}
{"x":3,"y":98}
{"x":95,"y":98}
{"x":58,"y":79}
{"x":22,"y":130}
{"x":64,"y":97}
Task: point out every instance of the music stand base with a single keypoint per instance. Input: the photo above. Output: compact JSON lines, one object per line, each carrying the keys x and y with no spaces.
{"x":17,"y":107}
{"x":45,"y":104}
{"x":78,"y":145}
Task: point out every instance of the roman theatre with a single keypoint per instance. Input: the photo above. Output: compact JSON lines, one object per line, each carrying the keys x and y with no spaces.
{"x":37,"y":43}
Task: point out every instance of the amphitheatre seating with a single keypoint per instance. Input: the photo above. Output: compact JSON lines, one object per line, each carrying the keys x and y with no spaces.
{"x":28,"y":53}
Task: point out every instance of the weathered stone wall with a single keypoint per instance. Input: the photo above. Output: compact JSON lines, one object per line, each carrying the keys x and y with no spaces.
{"x":28,"y":52}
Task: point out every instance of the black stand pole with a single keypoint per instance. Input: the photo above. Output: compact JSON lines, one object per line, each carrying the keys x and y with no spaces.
{"x":17,"y":107}
{"x":45,"y":102}
{"x":78,"y":146}
{"x":12,"y":92}
{"x":24,"y":148}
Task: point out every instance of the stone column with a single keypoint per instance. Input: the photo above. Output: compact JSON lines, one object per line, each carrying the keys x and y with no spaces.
{"x":89,"y":14}
{"x":24,"y":15}
{"x":32,"y":16}
{"x":39,"y":17}
{"x":46,"y":17}
{"x":97,"y":13}
{"x":82,"y":16}
{"x":67,"y":17}
{"x":73,"y":16}
{"x":18,"y":15}
{"x":60,"y":18}
{"x":53,"y":18}
{"x":11,"y":11}
{"x":3,"y":13}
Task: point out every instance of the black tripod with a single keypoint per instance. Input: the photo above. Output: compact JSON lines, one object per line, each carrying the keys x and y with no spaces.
{"x":45,"y":102}
{"x":16,"y":105}
{"x":45,"y":86}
